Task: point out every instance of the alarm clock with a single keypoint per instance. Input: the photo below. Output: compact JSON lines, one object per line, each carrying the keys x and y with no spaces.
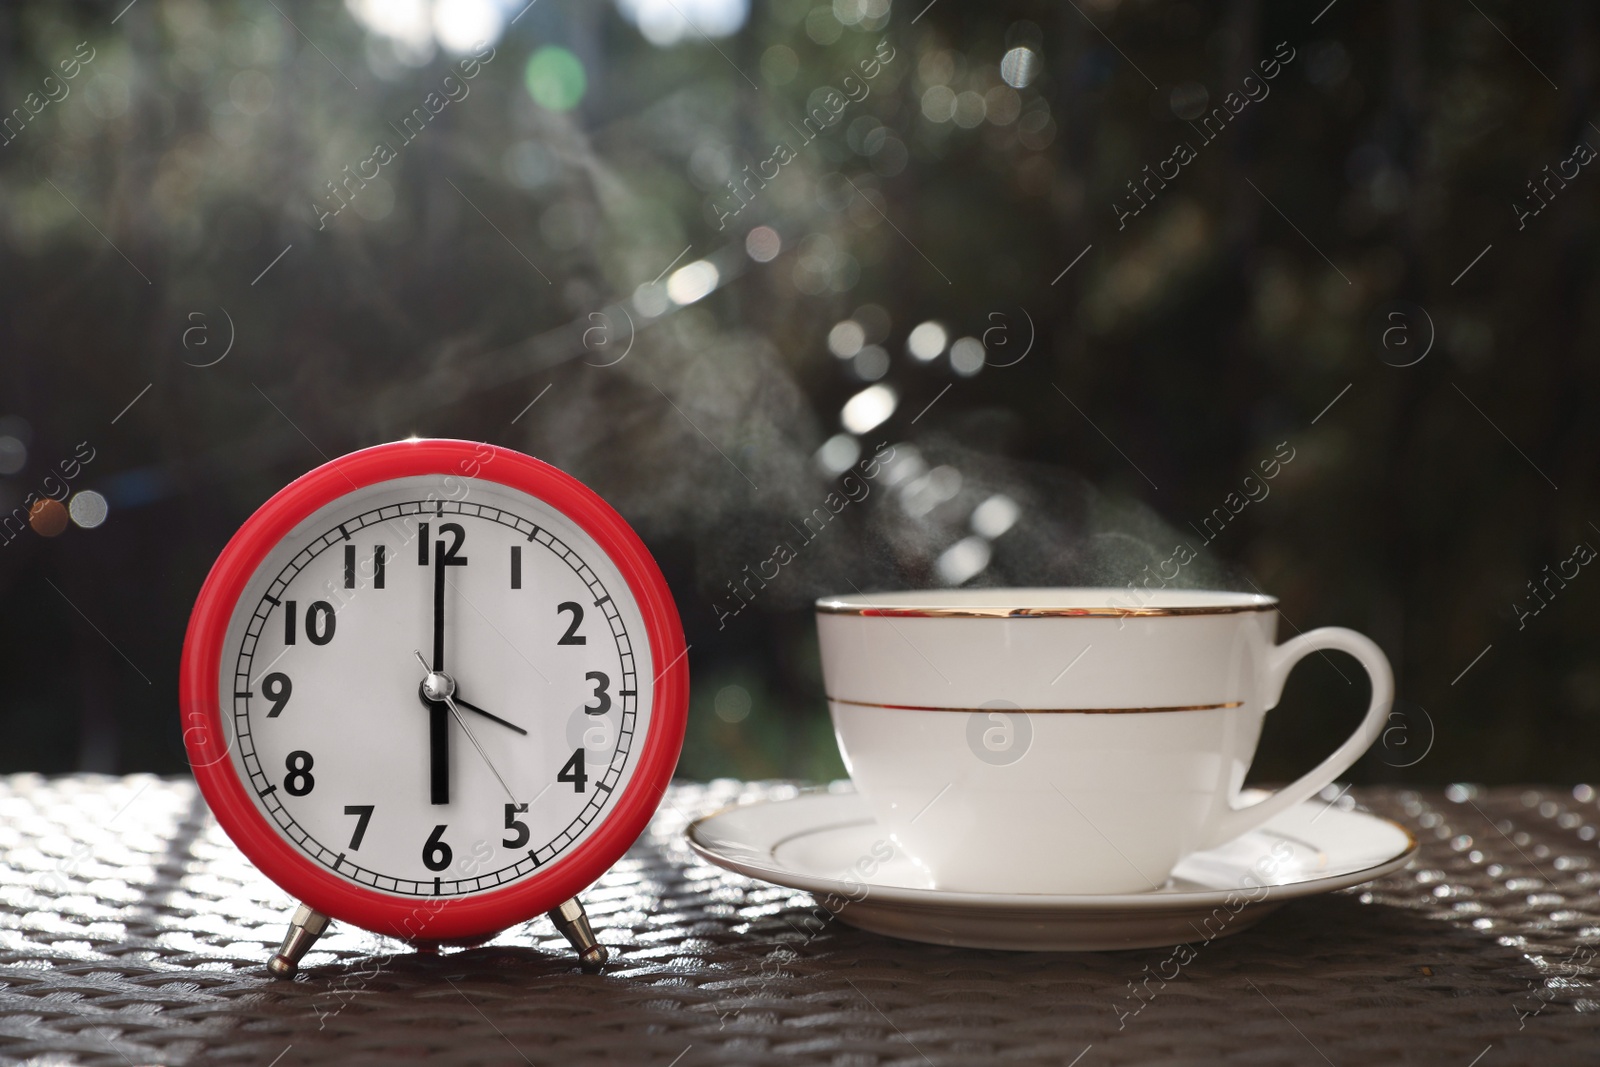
{"x":434,"y":689}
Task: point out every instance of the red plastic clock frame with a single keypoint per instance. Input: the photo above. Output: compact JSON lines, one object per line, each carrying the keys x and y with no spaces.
{"x":430,"y":919}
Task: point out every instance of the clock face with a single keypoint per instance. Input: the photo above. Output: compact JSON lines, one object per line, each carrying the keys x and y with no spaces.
{"x":435,"y":686}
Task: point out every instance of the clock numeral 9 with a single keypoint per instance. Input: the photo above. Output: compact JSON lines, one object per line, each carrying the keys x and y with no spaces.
{"x":572,"y":636}
{"x":572,"y":771}
{"x":320,"y":622}
{"x":299,"y":781}
{"x":514,"y":823}
{"x":276,"y":687}
{"x":600,"y":682}
{"x":436,"y":855}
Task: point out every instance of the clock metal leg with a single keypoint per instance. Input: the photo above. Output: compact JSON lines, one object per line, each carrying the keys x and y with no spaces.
{"x":304,"y":929}
{"x":573,"y":922}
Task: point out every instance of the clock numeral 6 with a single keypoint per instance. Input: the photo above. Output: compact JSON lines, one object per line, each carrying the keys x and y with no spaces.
{"x":572,"y":771}
{"x":299,"y":781}
{"x":276,"y":687}
{"x":320,"y":622}
{"x":436,"y":855}
{"x":514,"y":823}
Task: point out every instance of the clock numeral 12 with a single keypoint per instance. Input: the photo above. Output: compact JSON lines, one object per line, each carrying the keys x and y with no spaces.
{"x":450,"y":557}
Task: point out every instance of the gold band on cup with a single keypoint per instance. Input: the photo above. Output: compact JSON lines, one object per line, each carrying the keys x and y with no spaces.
{"x":1044,"y":711}
{"x":826,"y":608}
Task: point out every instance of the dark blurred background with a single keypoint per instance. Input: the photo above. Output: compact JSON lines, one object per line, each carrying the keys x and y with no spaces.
{"x":1373,"y":253}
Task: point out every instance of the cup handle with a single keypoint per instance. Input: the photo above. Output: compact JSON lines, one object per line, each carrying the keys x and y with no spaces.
{"x":1281,"y":660}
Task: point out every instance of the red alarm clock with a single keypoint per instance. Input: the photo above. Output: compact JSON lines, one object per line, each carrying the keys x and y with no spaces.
{"x":434,"y":689}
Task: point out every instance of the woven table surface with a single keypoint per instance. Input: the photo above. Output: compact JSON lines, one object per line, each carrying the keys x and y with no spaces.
{"x":132,"y":932}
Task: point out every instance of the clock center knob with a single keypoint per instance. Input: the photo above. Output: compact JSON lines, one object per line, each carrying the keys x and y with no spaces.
{"x":438,"y":686}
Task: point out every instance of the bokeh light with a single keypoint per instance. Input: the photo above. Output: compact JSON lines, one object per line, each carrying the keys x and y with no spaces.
{"x":966,"y":356}
{"x":868,"y":408}
{"x":939,"y":103}
{"x":871,"y":363}
{"x":763,"y":244}
{"x":963,"y":561}
{"x":555,"y":78}
{"x":732,"y":703}
{"x":927,"y":341}
{"x":1018,"y":67}
{"x":779,"y":64}
{"x":47,"y":517}
{"x":969,"y":110}
{"x":922,"y":494}
{"x":650,"y":299}
{"x":838,"y":453}
{"x":692,"y":282}
{"x":875,"y":322}
{"x":13,"y":454}
{"x":846,"y":338}
{"x":666,"y":22}
{"x":88,"y":509}
{"x":995,"y":516}
{"x":462,"y":25}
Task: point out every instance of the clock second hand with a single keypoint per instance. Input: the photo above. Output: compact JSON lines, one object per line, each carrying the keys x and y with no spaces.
{"x":444,"y":694}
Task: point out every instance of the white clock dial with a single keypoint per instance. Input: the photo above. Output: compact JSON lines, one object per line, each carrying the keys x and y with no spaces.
{"x":543,"y":652}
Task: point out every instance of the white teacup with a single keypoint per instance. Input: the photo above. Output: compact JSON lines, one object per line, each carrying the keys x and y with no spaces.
{"x":1066,"y":740}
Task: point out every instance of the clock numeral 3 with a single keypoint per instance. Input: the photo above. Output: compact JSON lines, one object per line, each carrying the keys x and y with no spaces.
{"x":514,"y":823}
{"x":573,"y":772}
{"x":436,"y":855}
{"x":572,"y":636}
{"x":600,"y":682}
{"x":276,"y":687}
{"x":321,"y":620}
{"x":363,"y":814}
{"x":299,"y":781}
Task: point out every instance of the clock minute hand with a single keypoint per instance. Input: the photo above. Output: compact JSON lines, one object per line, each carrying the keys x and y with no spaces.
{"x":438,"y":726}
{"x":438,"y":609}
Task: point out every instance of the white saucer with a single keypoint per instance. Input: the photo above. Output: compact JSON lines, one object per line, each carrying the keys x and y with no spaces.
{"x":810,"y":841}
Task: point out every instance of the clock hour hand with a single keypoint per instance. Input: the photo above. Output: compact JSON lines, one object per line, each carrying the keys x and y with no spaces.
{"x":487,"y":715}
